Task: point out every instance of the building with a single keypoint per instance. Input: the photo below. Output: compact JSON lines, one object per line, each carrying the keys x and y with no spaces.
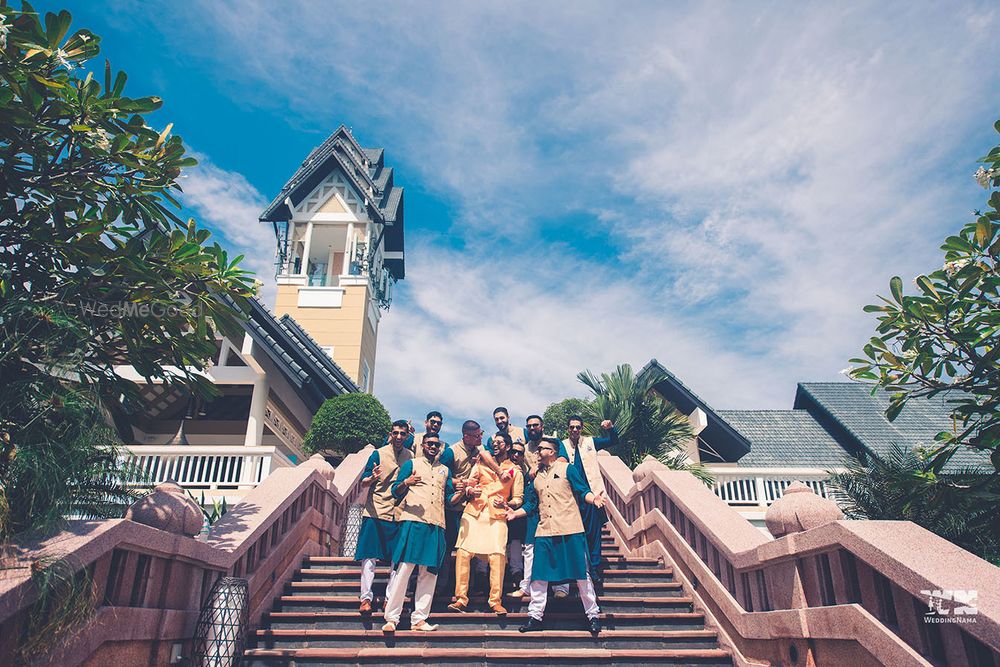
{"x":339,"y":226}
{"x":755,"y":454}
{"x":339,"y":249}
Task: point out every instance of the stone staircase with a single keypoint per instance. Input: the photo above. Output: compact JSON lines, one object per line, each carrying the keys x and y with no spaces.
{"x":648,"y":619}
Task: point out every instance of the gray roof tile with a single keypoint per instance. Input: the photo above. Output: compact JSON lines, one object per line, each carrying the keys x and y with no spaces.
{"x":784,"y":438}
{"x":852,"y":407}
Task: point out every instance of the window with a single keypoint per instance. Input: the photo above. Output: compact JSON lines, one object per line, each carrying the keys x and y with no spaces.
{"x":365,"y":374}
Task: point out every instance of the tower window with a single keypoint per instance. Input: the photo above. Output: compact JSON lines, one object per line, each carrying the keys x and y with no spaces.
{"x":365,"y":374}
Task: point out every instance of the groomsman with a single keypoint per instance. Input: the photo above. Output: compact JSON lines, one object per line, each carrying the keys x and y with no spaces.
{"x":379,"y":526}
{"x":502,"y":419}
{"x":535,"y":433}
{"x":560,"y":541}
{"x":581,"y":451}
{"x":424,"y":487}
{"x":432,"y":424}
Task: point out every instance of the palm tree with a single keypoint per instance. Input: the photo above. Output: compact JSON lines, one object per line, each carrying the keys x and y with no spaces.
{"x":960,"y":507}
{"x":646,"y":423}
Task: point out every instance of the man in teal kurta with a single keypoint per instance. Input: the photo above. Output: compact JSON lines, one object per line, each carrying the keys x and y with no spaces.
{"x":423,"y":487}
{"x":561,"y":551}
{"x":379,"y":526}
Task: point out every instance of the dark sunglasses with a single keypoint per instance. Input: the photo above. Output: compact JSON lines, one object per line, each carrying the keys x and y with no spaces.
{"x":435,"y":422}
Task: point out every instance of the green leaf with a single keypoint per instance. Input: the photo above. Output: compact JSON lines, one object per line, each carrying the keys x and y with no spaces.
{"x":896,"y":287}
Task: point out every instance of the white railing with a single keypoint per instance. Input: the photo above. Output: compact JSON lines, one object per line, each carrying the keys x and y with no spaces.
{"x":206,"y":467}
{"x":761,"y":487}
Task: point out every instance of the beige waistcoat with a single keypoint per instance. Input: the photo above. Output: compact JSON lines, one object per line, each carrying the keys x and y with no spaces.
{"x":381,"y":504}
{"x":558,"y":513}
{"x":424,"y":502}
{"x":590,"y":466}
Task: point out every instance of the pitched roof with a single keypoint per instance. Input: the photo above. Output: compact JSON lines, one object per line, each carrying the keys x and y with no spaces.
{"x":857,"y":418}
{"x":785,"y":438}
{"x":366,"y":170}
{"x":297,"y":355}
{"x":718,"y":434}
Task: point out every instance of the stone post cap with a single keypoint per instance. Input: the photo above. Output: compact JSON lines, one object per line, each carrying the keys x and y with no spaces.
{"x":169,"y":508}
{"x":799,"y":509}
{"x":648,"y":466}
{"x":319,"y":463}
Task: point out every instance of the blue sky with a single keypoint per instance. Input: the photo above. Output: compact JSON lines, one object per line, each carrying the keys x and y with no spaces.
{"x":721,"y":186}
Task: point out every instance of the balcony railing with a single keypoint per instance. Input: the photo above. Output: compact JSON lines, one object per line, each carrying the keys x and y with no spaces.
{"x":759,"y":488}
{"x":232,"y":468}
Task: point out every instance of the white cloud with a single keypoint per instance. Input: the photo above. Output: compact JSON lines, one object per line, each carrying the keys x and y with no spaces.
{"x":759,"y":171}
{"x":227,"y":203}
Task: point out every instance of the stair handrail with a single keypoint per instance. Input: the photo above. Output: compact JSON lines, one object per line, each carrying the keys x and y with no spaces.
{"x":752,"y":583}
{"x":136,"y":568}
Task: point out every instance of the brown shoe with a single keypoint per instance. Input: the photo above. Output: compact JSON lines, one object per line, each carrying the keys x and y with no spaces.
{"x":365,"y":607}
{"x":499,"y":610}
{"x":458,"y":606}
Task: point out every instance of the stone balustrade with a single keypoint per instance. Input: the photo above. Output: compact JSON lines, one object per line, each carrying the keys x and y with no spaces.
{"x":830,"y":592}
{"x":151,"y":582}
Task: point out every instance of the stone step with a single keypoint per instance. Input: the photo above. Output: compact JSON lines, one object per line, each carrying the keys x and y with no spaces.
{"x":382,"y":573}
{"x":637,"y":603}
{"x":465,"y":638}
{"x":610,"y":587}
{"x":485,"y":656}
{"x":482,"y":620}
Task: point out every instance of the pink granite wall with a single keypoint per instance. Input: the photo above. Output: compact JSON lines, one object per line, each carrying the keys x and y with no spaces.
{"x":847,"y":592}
{"x":151,"y":584}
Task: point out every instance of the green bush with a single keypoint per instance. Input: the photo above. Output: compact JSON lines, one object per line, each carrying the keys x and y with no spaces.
{"x":345,"y":424}
{"x":557,"y":413}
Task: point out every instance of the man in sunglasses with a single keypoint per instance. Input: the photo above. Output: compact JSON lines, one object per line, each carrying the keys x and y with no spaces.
{"x":560,"y":542}
{"x":581,"y":451}
{"x":535,"y":433}
{"x":379,"y":523}
{"x":432,"y":424}
{"x":516,"y":528}
{"x":423,"y":487}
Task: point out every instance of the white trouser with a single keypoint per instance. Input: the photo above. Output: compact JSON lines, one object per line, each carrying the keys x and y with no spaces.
{"x":529,"y":558}
{"x":422,"y":599}
{"x":540,"y":592}
{"x":515,"y":555}
{"x":368,"y":577}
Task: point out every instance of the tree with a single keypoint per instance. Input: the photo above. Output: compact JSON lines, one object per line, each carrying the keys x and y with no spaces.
{"x":646,"y":423}
{"x":557,"y":414}
{"x":96,"y":270}
{"x":346,"y":423}
{"x":904,"y":487}
{"x":944,"y":339}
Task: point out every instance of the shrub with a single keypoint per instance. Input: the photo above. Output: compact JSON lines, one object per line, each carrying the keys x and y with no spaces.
{"x":345,"y":424}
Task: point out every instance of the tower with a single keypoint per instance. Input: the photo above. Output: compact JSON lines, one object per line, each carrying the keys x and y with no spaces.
{"x":338,"y":222}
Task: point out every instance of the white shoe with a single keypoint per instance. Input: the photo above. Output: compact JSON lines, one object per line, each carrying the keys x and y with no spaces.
{"x":389,"y":627}
{"x":424,"y":626}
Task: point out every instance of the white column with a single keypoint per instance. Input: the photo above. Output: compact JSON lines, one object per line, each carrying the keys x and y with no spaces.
{"x":290,"y":250}
{"x":348,"y":250}
{"x":307,"y":247}
{"x":329,"y":266}
{"x":258,"y":403}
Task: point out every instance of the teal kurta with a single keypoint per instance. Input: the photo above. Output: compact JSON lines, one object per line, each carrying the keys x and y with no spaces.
{"x":417,"y":542}
{"x":376,"y":539}
{"x":560,"y":557}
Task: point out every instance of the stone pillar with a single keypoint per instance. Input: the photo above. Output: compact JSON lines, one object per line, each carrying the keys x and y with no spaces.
{"x":258,"y":405}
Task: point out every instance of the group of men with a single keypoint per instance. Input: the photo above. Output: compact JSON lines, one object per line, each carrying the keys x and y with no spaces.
{"x":532,"y":499}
